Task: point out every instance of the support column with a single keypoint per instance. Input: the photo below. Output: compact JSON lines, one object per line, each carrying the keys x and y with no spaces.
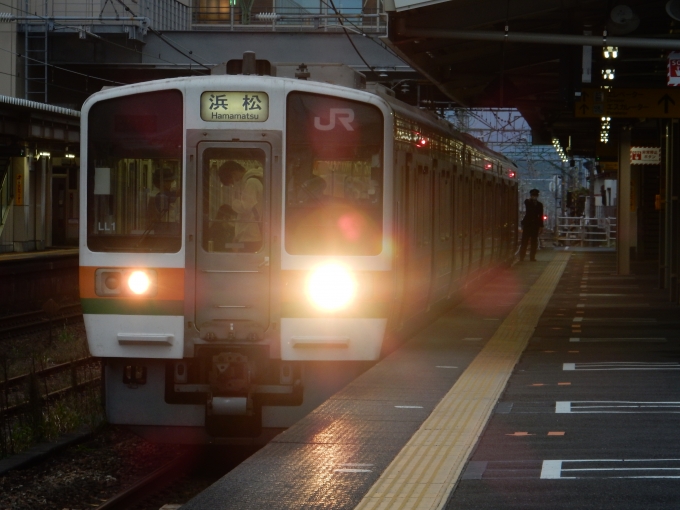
{"x":623,"y":241}
{"x":22,"y":238}
{"x":664,"y":214}
{"x":673,"y":207}
{"x":41,"y":232}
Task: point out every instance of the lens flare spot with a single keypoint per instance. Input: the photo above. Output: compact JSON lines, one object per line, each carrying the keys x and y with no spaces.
{"x":351,"y":226}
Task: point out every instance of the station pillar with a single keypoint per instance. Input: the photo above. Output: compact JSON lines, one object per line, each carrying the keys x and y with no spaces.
{"x":671,"y":250}
{"x":624,"y":232}
{"x":22,"y":237}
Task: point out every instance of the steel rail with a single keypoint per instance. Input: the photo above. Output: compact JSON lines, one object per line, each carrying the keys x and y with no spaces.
{"x":151,"y":484}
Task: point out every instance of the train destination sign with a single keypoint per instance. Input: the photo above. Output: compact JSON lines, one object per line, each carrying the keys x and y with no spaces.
{"x":231,"y":106}
{"x":635,"y":103}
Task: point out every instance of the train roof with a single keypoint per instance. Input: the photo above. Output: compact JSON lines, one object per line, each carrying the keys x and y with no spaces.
{"x":424,"y":117}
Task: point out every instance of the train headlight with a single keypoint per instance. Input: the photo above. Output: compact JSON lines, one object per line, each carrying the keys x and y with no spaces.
{"x":331,"y":287}
{"x":139,"y":282}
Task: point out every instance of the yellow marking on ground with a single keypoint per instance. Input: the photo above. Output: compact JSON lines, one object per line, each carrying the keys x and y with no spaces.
{"x":427,"y":469}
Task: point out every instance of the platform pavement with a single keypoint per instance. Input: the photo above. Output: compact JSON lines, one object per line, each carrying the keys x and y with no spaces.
{"x":334,"y":456}
{"x":590,"y":418}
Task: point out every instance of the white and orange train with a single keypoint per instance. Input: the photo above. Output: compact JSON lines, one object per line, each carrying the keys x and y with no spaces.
{"x":251,"y":241}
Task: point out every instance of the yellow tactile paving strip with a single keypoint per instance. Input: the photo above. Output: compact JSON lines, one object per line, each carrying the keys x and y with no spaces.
{"x":427,"y":469}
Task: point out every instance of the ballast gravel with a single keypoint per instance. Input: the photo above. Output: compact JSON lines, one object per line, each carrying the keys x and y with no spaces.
{"x":84,"y":476}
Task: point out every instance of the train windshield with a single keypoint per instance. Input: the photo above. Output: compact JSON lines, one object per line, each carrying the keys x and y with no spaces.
{"x":334,"y":176}
{"x":134,"y":173}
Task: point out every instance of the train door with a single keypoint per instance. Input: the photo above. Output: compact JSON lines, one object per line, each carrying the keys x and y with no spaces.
{"x":400,"y":236}
{"x":489,"y":219}
{"x":419,"y":250}
{"x":442,"y":242}
{"x":477,"y":232}
{"x":232,"y":259}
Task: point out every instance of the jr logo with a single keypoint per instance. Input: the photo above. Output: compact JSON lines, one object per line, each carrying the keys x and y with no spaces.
{"x":344,"y":115}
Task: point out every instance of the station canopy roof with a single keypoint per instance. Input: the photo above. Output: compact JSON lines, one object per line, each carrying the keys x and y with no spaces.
{"x":533,"y":54}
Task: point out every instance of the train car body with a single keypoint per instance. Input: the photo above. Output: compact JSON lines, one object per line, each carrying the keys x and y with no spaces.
{"x":251,"y":241}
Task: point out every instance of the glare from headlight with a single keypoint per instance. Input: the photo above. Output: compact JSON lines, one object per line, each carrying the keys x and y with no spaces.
{"x":331,"y":287}
{"x":139,"y":282}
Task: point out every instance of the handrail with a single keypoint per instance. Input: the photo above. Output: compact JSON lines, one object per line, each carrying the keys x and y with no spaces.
{"x":580,"y":231}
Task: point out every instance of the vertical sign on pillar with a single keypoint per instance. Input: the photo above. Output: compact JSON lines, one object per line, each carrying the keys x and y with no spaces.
{"x":673,"y":69}
{"x":19,"y":190}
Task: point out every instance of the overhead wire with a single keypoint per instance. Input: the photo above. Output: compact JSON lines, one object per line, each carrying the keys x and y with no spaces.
{"x":360,"y":31}
{"x":164,"y":39}
{"x":51,"y":84}
{"x":62,"y":68}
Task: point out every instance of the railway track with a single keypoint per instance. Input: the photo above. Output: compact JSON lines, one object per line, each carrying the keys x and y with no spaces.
{"x":179,"y":480}
{"x":151,"y":485}
{"x":78,"y":376}
{"x":39,"y":320}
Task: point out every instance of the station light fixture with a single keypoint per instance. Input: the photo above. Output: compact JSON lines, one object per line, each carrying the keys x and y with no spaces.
{"x":560,"y":150}
{"x":608,"y":74}
{"x":610,"y":51}
{"x":605,"y":126}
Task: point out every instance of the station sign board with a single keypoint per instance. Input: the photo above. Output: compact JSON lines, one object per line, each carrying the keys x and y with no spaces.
{"x":645,"y":155}
{"x":628,"y":103}
{"x":673,"y":69}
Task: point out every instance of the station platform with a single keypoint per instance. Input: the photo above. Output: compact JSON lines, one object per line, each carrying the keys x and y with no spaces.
{"x":41,"y":255}
{"x":555,"y":385}
{"x":28,"y":280}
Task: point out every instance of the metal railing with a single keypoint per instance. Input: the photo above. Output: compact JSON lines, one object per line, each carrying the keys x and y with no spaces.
{"x":285,"y":15}
{"x":269,"y":15}
{"x":159,"y":14}
{"x":580,"y":231}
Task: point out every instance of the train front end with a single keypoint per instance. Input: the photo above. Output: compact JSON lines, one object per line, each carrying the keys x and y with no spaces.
{"x":235,"y":268}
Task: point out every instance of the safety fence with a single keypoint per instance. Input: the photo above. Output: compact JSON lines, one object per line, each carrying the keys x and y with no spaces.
{"x":587,"y":232}
{"x":287,"y":15}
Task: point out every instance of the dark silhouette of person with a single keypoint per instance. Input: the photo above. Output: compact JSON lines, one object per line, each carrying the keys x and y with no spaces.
{"x":532,"y":225}
{"x":246,"y":201}
{"x":222,"y":228}
{"x":604,"y":195}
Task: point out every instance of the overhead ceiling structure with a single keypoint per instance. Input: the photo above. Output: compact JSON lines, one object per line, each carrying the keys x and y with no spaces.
{"x":534,"y":55}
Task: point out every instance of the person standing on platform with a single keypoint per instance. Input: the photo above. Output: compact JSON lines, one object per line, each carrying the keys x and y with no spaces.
{"x":532,"y":225}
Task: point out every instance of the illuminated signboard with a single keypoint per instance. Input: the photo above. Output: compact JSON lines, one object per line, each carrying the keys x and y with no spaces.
{"x":232,"y":106}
